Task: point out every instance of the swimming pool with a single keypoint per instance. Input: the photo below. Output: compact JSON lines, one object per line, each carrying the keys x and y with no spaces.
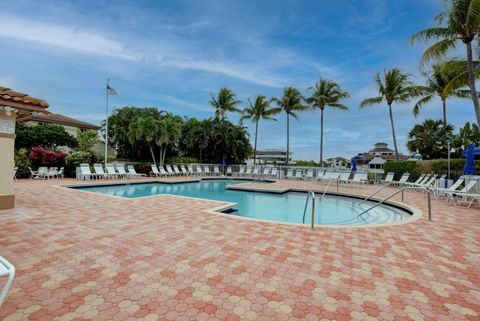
{"x":286,"y":207}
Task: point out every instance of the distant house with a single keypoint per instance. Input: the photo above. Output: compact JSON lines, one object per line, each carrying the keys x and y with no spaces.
{"x":71,"y":125}
{"x":338,"y":162}
{"x":380,"y":150}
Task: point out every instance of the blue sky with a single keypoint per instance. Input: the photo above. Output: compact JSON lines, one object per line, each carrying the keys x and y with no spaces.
{"x":174,"y":54}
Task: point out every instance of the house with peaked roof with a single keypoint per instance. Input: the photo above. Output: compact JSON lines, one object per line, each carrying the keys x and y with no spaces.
{"x":71,"y":125}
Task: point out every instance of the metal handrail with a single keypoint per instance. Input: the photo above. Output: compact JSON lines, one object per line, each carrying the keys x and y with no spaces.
{"x":401,"y":190}
{"x":376,"y":192}
{"x":313,"y":208}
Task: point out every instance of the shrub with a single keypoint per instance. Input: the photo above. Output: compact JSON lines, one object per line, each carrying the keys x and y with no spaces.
{"x":22,"y":161}
{"x":87,"y":139}
{"x":46,"y":136}
{"x":74,"y":159}
{"x":181,"y":159}
{"x":400,"y":167}
{"x":46,"y":157}
{"x":437,"y":166}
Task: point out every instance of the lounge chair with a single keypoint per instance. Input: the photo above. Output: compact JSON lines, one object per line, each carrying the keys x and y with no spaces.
{"x":423,"y":178}
{"x":465,"y":196}
{"x":170,"y":170}
{"x":15,"y":169}
{"x":121,"y":171}
{"x":177,"y":171}
{"x":199,"y":170}
{"x":241,"y":171}
{"x":111,"y":171}
{"x":320,"y":174}
{"x":289,"y":173}
{"x":359,"y":178}
{"x":439,"y":192}
{"x":402,"y":181}
{"x":266,"y":171}
{"x":229,"y":171}
{"x":274,"y":173}
{"x":162,"y":172}
{"x":388,"y":178}
{"x":428,"y":183}
{"x":207,"y":170}
{"x":131,"y":170}
{"x":310,"y":173}
{"x":85,"y":172}
{"x":190,"y":170}
{"x":154,"y":171}
{"x":344,"y":177}
{"x":216,"y":170}
{"x":256,"y":171}
{"x":299,"y":173}
{"x":99,"y":172}
{"x":6,"y":269}
{"x":61,"y":172}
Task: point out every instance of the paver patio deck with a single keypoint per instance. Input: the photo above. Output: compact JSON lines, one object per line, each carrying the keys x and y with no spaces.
{"x":84,"y":256}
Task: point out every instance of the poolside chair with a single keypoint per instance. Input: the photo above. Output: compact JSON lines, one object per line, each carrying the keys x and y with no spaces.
{"x":85,"y":172}
{"x":256,"y":171}
{"x":43,"y":172}
{"x":426,"y":182}
{"x":289,"y":173}
{"x":61,"y":172}
{"x":185,"y":170}
{"x":299,"y":173}
{"x":121,"y":171}
{"x":402,"y":181}
{"x":359,"y":178}
{"x":310,"y":173}
{"x":388,"y":178}
{"x":6,"y":269}
{"x":176,"y":170}
{"x":99,"y":172}
{"x":15,"y":169}
{"x":131,"y":170}
{"x":111,"y":171}
{"x":439,"y":192}
{"x":162,"y":172}
{"x":423,"y":178}
{"x":248,"y":171}
{"x":206,"y":169}
{"x":465,"y":196}
{"x":52,"y":172}
{"x":344,"y":177}
{"x":190,"y":170}
{"x":199,"y":170}
{"x":154,"y":171}
{"x":229,"y":171}
{"x":266,"y":171}
{"x":274,"y":173}
{"x":216,"y":170}
{"x":170,"y":170}
{"x":320,"y":174}
{"x":241,"y":171}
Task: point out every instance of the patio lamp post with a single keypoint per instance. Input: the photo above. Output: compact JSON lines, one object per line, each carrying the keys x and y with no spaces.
{"x":108,"y":92}
{"x":448,"y":157}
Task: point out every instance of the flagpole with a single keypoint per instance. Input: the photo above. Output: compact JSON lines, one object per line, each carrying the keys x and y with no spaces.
{"x":106,"y":122}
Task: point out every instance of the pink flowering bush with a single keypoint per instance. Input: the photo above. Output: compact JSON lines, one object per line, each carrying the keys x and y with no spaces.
{"x":46,"y":157}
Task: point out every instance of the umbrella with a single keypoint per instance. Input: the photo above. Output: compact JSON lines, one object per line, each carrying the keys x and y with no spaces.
{"x":354,"y":164}
{"x":469,"y":167}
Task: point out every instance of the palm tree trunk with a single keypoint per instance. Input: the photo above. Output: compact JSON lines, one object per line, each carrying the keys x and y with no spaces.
{"x":160,"y":156}
{"x":444,"y":105}
{"x":255,"y":148}
{"x":288,"y":138}
{"x":321,"y":136}
{"x":393,"y":131}
{"x":471,"y":79}
{"x":153,"y":155}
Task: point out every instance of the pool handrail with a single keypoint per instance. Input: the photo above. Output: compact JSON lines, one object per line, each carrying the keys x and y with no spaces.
{"x":313,"y":208}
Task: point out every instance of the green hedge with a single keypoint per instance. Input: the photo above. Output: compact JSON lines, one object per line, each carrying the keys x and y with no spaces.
{"x":437,"y":166}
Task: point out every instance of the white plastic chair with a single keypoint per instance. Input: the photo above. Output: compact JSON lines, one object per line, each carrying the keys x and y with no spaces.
{"x":6,"y":268}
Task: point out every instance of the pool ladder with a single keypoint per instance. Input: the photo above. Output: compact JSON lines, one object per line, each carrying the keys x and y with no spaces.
{"x":312,"y":194}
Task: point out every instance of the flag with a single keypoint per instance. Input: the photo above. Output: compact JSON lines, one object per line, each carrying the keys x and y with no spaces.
{"x":111,"y":91}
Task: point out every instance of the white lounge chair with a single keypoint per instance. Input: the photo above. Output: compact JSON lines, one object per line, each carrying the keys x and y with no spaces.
{"x":190,"y":170}
{"x":177,"y":171}
{"x":216,"y":171}
{"x":207,"y":170}
{"x":131,"y":170}
{"x":6,"y":269}
{"x":388,"y":178}
{"x":61,"y":172}
{"x":439,"y":192}
{"x":85,"y":172}
{"x":289,"y":173}
{"x":266,"y":171}
{"x":256,"y":171}
{"x":465,"y":196}
{"x":320,"y":174}
{"x":170,"y":170}
{"x":358,"y":178}
{"x":199,"y":170}
{"x":99,"y":172}
{"x":422,"y":179}
{"x":299,"y":173}
{"x":248,"y":171}
{"x":121,"y":171}
{"x":310,"y":173}
{"x":111,"y":171}
{"x":162,"y":172}
{"x":241,"y":171}
{"x":229,"y":171}
{"x":154,"y":171}
{"x":402,"y":181}
{"x":274,"y":173}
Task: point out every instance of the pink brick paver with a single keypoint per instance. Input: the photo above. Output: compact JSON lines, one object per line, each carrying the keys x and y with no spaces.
{"x":84,"y":256}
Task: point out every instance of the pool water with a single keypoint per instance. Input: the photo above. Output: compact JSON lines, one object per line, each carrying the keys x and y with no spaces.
{"x":286,"y":207}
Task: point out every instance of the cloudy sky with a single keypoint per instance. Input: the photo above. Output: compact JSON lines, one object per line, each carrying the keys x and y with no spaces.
{"x":174,"y":54}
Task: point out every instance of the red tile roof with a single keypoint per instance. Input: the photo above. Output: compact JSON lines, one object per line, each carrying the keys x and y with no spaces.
{"x":58,"y":119}
{"x":20,"y":100}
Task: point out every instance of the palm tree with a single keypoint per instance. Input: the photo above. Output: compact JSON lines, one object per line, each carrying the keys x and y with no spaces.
{"x":168,"y":133}
{"x":444,"y":80}
{"x":459,"y":22}
{"x":256,"y":111}
{"x":225,"y":101}
{"x":326,"y":93}
{"x":395,"y":87}
{"x":430,"y":139}
{"x":290,"y":103}
{"x":143,"y":129}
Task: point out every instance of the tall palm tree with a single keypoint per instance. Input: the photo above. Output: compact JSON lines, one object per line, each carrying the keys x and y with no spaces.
{"x":444,"y":80}
{"x":143,"y":129}
{"x":290,"y":103}
{"x":256,"y":111}
{"x":430,"y":139}
{"x":225,"y":101}
{"x":459,"y":22}
{"x":394,"y":87}
{"x":326,"y":93}
{"x":168,"y":133}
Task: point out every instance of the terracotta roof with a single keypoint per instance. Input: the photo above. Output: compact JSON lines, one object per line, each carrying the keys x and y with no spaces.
{"x":381,"y":150}
{"x":57,"y":119}
{"x":20,"y":100}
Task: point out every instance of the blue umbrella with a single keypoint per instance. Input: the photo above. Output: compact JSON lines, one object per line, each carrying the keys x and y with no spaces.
{"x":354,"y":164}
{"x":469,"y":167}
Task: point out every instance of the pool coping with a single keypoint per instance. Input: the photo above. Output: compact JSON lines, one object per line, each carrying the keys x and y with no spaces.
{"x":415,"y":212}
